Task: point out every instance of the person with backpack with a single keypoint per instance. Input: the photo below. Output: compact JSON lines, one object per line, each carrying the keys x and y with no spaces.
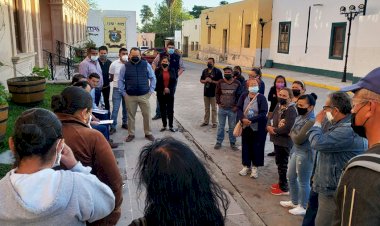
{"x":357,"y":197}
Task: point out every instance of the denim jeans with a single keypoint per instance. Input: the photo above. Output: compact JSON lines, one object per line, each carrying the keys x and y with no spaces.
{"x":117,"y":97}
{"x":223,"y":115}
{"x":326,"y":210}
{"x":299,"y":174}
{"x":312,"y":209}
{"x":103,"y":129}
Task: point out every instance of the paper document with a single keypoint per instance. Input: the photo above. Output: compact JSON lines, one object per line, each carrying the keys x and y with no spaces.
{"x":104,"y":122}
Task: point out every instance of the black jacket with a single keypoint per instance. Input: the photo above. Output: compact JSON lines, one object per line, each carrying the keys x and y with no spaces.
{"x":160,"y":81}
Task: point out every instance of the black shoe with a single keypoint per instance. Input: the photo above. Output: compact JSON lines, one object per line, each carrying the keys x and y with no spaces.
{"x":271,"y":154}
{"x":234,"y":147}
{"x":162,"y":129}
{"x":172,"y":129}
{"x":217,"y":146}
{"x":124,"y":126}
{"x":112,"y":131}
{"x":204,"y":124}
{"x":156,"y":117}
{"x":150,"y":137}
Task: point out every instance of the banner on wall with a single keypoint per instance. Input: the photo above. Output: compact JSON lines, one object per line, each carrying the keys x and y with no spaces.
{"x":115,"y":33}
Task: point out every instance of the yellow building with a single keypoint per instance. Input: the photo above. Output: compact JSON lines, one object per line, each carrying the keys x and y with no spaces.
{"x":232,"y":33}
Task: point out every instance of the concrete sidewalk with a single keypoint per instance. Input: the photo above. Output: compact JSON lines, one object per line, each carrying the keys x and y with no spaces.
{"x":318,"y":81}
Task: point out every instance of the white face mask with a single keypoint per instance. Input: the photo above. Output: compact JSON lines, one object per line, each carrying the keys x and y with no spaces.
{"x":94,"y":58}
{"x":124,"y":58}
{"x":89,"y":121}
{"x":329,"y":116}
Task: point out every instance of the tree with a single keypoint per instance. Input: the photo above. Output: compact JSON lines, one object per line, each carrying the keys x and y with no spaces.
{"x":223,"y":3}
{"x":146,"y":14}
{"x":93,"y":4}
{"x":197,"y":10}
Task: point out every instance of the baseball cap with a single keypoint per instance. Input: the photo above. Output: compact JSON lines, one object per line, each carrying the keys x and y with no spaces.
{"x":371,"y":82}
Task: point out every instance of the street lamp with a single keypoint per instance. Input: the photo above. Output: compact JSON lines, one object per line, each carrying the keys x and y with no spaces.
{"x":262,"y":23}
{"x":350,"y":14}
{"x":210,"y":25}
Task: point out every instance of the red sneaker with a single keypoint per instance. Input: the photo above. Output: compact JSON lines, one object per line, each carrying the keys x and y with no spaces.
{"x":278,"y":191}
{"x":275,"y":186}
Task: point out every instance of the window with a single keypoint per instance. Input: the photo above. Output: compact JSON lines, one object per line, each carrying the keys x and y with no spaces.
{"x":196,"y":46}
{"x":209,"y":36}
{"x":192,"y":46}
{"x":338,"y":35}
{"x":247,"y":38}
{"x":284,"y":37}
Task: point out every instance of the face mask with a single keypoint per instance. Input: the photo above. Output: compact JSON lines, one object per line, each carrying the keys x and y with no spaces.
{"x":209,"y":66}
{"x":228,"y":76}
{"x":329,"y":116}
{"x":94,"y":58}
{"x":360,"y":130}
{"x":124,"y":58}
{"x":283,"y":101}
{"x":135,"y":60}
{"x":280,"y":85}
{"x":103,"y":57}
{"x":302,"y":111}
{"x":165,"y":65}
{"x":296,"y":92}
{"x":170,"y":51}
{"x":253,"y":89}
{"x":89,"y":120}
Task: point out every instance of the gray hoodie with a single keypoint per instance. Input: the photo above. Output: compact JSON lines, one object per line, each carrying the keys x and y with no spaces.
{"x":50,"y":197}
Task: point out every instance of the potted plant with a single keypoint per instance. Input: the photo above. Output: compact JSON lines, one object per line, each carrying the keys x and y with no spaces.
{"x":4,"y":95}
{"x":29,"y":90}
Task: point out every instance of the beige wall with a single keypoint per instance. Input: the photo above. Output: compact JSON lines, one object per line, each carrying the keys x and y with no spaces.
{"x":191,"y":35}
{"x":146,"y":39}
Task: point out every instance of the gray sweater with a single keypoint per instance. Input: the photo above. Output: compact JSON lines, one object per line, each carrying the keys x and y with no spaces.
{"x":50,"y":197}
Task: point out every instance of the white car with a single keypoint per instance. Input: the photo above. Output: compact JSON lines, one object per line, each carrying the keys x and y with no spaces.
{"x":143,"y":48}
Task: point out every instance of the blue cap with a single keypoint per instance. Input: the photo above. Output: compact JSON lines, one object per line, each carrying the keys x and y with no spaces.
{"x":371,"y":82}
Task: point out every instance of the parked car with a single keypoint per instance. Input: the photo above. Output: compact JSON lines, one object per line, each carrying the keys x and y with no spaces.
{"x":143,"y":48}
{"x":150,"y":54}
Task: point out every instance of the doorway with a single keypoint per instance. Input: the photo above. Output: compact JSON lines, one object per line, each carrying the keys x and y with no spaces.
{"x":224,"y":43}
{"x":185,"y":46}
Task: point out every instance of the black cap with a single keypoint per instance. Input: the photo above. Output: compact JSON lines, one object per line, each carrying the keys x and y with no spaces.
{"x":371,"y":82}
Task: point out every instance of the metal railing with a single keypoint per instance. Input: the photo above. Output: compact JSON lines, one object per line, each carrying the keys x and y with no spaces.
{"x":53,"y":59}
{"x":68,"y":51}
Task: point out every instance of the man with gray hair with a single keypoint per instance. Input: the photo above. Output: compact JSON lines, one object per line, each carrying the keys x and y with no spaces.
{"x":358,"y":200}
{"x":335,"y":147}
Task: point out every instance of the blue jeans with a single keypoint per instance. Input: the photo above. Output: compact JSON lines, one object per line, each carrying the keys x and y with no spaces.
{"x":117,"y":97}
{"x":299,"y":174}
{"x":312,"y":209}
{"x":223,"y":114}
{"x":103,"y":129}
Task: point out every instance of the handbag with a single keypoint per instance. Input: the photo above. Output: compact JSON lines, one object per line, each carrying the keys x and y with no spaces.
{"x":238,"y":130}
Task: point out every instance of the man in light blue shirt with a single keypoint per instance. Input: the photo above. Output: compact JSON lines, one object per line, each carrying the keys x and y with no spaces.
{"x":137,"y":82}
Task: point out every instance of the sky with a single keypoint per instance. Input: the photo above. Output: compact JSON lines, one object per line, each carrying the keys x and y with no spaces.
{"x":135,"y":5}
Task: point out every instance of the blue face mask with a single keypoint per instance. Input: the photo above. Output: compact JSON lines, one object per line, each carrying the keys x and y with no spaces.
{"x":170,"y":51}
{"x":253,"y":89}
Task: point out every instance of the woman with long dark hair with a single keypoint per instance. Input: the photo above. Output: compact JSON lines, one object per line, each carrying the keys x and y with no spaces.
{"x":179,"y":190}
{"x":252,"y":113}
{"x":165,"y":88}
{"x":35,"y":194}
{"x":73,"y":108}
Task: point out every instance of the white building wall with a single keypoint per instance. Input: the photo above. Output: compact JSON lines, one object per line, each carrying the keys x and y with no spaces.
{"x":192,"y":30}
{"x":177,"y":39}
{"x":364,"y":44}
{"x":95,"y":20}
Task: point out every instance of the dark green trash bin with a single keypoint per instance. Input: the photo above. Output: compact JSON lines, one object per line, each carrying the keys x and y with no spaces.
{"x":269,"y":63}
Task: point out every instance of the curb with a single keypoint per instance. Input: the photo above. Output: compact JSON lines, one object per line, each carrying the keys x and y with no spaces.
{"x":272,"y":76}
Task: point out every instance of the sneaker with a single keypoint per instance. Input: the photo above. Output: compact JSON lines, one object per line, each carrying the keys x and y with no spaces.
{"x":275,"y":186}
{"x":124,"y":126}
{"x":172,"y":129}
{"x":298,"y":211}
{"x":112,"y":131}
{"x":217,"y":146}
{"x":244,"y":171}
{"x":156,"y":117}
{"x":150,"y":137}
{"x":204,"y":124}
{"x":254,"y":173}
{"x":234,"y":147}
{"x":278,"y":191}
{"x":162,"y":129}
{"x":288,"y":204}
{"x":271,"y":154}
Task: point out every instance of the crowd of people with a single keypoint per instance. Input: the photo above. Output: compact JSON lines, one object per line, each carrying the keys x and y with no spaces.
{"x":65,"y":170}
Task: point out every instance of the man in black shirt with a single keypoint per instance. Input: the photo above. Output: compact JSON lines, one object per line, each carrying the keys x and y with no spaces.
{"x":210,"y":77}
{"x":105,"y":65}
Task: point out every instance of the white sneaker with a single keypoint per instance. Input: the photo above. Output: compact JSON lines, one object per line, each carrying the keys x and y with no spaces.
{"x":254,"y":173}
{"x":288,"y":204}
{"x":244,"y":171}
{"x":299,"y":210}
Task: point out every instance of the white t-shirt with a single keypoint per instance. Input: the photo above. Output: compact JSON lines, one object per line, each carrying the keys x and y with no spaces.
{"x":115,"y":70}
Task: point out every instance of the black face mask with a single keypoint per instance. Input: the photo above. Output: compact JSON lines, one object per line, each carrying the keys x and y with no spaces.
{"x":282,"y":101}
{"x":360,"y":130}
{"x":135,"y":60}
{"x":228,"y":76}
{"x":165,"y":65}
{"x":209,"y":66}
{"x":296,"y":92}
{"x":302,"y":111}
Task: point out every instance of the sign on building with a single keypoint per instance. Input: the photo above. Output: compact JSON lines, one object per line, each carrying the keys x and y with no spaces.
{"x":115,"y":32}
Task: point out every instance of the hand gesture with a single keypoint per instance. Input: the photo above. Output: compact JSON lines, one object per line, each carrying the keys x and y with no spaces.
{"x":246,"y":122}
{"x":68,"y":160}
{"x":270,"y":130}
{"x":281,"y":123}
{"x":320,"y":116}
{"x":166,"y":90}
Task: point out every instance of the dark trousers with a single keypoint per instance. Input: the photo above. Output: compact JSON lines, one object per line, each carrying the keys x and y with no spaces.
{"x":312,"y":209}
{"x":106,"y":96}
{"x":252,"y":152}
{"x":166,"y":103}
{"x":103,"y":129}
{"x":282,"y":159}
{"x":98,"y":94}
{"x":158,"y":112}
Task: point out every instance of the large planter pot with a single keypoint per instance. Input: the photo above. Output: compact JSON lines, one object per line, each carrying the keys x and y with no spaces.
{"x":29,"y":90}
{"x":3,"y":121}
